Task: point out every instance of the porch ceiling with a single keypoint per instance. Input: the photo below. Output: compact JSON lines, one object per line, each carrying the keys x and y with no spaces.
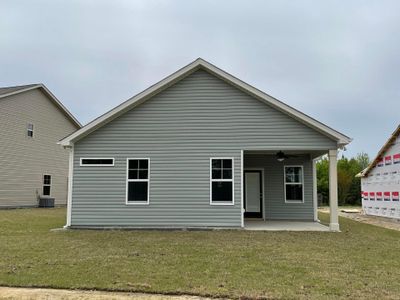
{"x":312,"y":153}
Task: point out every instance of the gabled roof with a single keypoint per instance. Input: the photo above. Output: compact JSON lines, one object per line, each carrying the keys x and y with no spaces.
{"x":12,"y":90}
{"x":184,"y":72}
{"x":381,"y":152}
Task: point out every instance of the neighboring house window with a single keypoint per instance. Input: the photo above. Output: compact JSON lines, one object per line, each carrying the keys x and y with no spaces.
{"x":30,"y":130}
{"x":97,"y":162}
{"x":46,"y":185}
{"x":221,"y":181}
{"x":294,"y":184}
{"x":138,"y":183}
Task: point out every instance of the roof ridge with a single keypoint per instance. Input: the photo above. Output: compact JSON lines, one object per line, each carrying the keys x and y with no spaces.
{"x":383,"y":149}
{"x":13,"y":90}
{"x":187,"y":70}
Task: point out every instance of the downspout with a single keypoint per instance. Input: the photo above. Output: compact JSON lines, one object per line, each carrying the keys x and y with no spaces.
{"x":241,"y":189}
{"x":315,"y":187}
{"x":70,"y":183}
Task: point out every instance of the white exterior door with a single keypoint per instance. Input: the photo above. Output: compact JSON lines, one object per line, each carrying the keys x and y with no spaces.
{"x":253,"y":194}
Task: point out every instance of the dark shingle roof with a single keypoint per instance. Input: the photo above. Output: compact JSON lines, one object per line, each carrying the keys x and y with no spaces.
{"x":12,"y":89}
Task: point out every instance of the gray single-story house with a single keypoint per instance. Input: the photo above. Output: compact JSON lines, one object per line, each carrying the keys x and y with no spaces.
{"x":200,"y":148}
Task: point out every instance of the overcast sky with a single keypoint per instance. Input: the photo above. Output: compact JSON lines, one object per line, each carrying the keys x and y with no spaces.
{"x":337,"y":61}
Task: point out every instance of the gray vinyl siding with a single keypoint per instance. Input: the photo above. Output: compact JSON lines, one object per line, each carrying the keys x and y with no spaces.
{"x":24,"y":160}
{"x":274,"y":198}
{"x":179,"y":129}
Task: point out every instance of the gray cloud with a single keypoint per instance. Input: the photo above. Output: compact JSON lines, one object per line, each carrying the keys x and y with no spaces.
{"x":337,"y":61}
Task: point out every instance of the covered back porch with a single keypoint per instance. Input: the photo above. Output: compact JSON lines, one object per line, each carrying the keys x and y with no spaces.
{"x":279,"y":190}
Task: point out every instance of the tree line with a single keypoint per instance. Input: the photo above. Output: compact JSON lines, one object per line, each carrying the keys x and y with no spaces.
{"x":349,"y":186}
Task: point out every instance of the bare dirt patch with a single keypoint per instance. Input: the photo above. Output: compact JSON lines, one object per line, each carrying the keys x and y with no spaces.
{"x":359,"y":216}
{"x":45,"y":294}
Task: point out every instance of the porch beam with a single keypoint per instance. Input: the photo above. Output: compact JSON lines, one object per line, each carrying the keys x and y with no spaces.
{"x":333,"y":191}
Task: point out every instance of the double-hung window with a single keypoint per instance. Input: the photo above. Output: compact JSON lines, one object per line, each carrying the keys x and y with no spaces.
{"x":29,"y":130}
{"x":221,"y":181}
{"x":138,"y":181}
{"x":294,"y":189}
{"x":46,"y":185}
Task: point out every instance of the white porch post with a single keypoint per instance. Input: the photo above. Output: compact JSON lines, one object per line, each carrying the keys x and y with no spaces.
{"x":315,"y":193}
{"x":333,"y":191}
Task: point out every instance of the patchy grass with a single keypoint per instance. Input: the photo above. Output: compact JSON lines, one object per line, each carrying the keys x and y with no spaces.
{"x":361,"y":262}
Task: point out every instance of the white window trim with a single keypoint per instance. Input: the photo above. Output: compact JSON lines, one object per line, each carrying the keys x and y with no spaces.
{"x":223,"y":180}
{"x":285,"y":183}
{"x":96,"y":165}
{"x":137,"y":180}
{"x":43,"y":184}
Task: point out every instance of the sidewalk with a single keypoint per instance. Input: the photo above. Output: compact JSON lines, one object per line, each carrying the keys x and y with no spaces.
{"x":47,"y":294}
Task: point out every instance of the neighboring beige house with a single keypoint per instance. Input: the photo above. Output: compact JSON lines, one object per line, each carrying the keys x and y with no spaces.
{"x":32,"y":121}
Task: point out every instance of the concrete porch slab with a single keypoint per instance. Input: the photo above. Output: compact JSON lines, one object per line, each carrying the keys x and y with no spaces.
{"x":284,"y":225}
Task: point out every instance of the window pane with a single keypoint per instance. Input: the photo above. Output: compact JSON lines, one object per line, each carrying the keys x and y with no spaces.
{"x":227,"y":174}
{"x":143,"y":174}
{"x":143,"y":164}
{"x":46,"y":190}
{"x":133,"y":174}
{"x":293,"y":174}
{"x":133,"y":164}
{"x":30,"y":133}
{"x":297,"y":174}
{"x":294,"y":192}
{"x":227,"y":164}
{"x":216,"y":163}
{"x":46,"y":179}
{"x":222,"y":191}
{"x":30,"y":126}
{"x":216,"y":174}
{"x":137,"y":191}
{"x":289,"y":177}
{"x":97,"y":161}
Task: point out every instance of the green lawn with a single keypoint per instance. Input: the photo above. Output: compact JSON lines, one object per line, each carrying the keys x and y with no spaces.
{"x":360,"y":262}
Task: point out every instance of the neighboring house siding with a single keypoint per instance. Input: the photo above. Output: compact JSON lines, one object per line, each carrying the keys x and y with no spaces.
{"x":383,"y":179}
{"x":179,"y":130}
{"x":274,"y":195}
{"x":24,"y":160}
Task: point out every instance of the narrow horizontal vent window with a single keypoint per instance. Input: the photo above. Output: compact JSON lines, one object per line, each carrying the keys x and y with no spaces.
{"x":97,"y":161}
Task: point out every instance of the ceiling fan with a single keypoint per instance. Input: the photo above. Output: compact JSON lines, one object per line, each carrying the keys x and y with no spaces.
{"x":280,"y":156}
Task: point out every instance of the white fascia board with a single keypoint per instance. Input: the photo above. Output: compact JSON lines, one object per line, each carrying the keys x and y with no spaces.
{"x":21,"y":91}
{"x":341,"y":138}
{"x":129,"y":104}
{"x":200,"y":63}
{"x":60,"y":105}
